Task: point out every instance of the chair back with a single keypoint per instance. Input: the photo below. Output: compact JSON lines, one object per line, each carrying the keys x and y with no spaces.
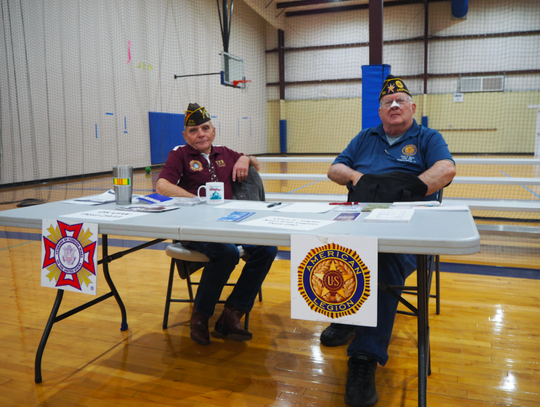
{"x":252,"y":189}
{"x":439,"y":195}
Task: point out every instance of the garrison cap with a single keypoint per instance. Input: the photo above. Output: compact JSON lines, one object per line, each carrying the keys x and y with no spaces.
{"x":196,"y":115}
{"x":393,"y":85}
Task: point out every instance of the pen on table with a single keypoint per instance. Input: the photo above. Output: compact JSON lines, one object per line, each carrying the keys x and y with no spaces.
{"x":343,"y":203}
{"x":274,"y":204}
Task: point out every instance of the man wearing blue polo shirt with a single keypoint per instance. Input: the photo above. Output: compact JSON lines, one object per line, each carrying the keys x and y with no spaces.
{"x":397,"y":147}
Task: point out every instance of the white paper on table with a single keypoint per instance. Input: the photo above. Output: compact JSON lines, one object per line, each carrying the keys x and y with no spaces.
{"x":305,"y":207}
{"x":106,"y":197}
{"x":442,"y":207}
{"x":390,"y":215}
{"x":104,"y":214}
{"x":239,"y":204}
{"x":415,"y":203}
{"x":288,"y":223}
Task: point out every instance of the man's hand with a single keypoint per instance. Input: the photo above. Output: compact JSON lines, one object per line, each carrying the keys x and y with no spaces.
{"x":241,"y":169}
{"x":341,"y":174}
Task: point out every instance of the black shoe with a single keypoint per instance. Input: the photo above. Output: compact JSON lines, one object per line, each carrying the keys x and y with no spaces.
{"x":337,"y":334}
{"x":360,"y":390}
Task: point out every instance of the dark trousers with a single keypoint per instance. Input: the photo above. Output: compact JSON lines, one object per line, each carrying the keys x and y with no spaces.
{"x":393,"y":270}
{"x":223,"y":259}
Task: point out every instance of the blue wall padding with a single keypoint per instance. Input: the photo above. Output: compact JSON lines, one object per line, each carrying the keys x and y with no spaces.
{"x":373,"y":77}
{"x":425,"y":121}
{"x":165,"y":133}
{"x":283,"y":136}
{"x":460,"y":8}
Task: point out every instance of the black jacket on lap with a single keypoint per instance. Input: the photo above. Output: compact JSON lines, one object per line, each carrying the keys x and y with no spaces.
{"x":394,"y":186}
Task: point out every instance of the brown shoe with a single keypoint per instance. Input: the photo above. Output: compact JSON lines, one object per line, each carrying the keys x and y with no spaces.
{"x":228,"y":325}
{"x":199,"y":328}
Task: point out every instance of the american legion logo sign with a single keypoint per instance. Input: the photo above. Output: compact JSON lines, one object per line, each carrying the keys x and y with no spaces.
{"x":69,"y":256}
{"x":332,"y":280}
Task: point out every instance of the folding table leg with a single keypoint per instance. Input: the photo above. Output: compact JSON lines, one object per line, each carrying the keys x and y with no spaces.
{"x":114,"y":291}
{"x":423,"y":328}
{"x":53,"y":318}
{"x":45,"y":336}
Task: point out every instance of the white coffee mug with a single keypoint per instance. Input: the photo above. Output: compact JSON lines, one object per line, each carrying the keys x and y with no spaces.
{"x":215,"y":192}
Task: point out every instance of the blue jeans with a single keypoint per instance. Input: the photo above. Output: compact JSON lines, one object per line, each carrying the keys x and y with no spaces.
{"x":223,"y":259}
{"x":393,"y":270}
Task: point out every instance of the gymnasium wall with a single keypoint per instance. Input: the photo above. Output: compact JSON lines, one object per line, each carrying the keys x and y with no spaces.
{"x":482,"y":123}
{"x":323,"y":117}
{"x":79,"y":78}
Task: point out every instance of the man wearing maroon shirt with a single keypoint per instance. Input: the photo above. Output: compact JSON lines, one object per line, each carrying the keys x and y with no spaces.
{"x":186,"y":169}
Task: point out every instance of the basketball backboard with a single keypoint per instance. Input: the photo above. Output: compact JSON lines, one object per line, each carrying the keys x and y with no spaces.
{"x":232,"y":71}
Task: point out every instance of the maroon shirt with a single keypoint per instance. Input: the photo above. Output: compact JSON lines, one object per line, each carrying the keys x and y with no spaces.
{"x":188,"y":169}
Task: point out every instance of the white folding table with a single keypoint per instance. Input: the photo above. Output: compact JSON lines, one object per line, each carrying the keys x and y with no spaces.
{"x":430,"y":232}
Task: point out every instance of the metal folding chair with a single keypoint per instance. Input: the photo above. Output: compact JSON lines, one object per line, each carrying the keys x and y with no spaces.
{"x":188,"y":261}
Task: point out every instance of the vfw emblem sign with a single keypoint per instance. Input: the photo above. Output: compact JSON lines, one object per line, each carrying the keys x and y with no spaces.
{"x":69,"y":256}
{"x":334,"y":279}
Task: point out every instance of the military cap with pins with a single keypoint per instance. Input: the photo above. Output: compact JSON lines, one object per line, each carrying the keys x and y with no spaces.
{"x":196,"y":115}
{"x":393,"y":85}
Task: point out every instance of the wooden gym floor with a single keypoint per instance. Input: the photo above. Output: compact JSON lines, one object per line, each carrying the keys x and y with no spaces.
{"x":485,"y":343}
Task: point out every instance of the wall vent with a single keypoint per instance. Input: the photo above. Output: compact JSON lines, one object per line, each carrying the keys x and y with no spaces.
{"x":481,"y":84}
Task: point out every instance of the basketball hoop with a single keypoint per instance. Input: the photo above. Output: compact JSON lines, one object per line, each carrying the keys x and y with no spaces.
{"x":244,"y":81}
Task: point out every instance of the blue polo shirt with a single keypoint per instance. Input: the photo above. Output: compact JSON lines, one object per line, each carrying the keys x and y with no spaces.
{"x":415,"y":152}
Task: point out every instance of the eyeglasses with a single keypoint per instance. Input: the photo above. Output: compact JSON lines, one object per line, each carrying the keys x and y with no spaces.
{"x":400,"y":101}
{"x":213,"y":176}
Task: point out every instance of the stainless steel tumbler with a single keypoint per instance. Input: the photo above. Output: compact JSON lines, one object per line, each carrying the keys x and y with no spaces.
{"x":123,"y":184}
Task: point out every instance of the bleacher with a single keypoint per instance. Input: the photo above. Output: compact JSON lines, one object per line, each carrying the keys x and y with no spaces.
{"x":492,"y":205}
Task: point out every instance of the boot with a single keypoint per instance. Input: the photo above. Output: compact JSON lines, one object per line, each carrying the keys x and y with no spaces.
{"x":199,"y":328}
{"x":228,"y":325}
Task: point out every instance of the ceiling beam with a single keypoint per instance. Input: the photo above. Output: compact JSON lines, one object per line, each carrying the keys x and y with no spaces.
{"x":267,"y":10}
{"x":314,"y":11}
{"x":303,"y":3}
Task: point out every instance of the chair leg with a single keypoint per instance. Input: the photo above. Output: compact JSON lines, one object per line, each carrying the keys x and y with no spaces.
{"x":169,"y":293}
{"x":181,"y":264}
{"x":246,"y":321}
{"x":429,"y":352}
{"x":188,"y":279}
{"x":438,"y":283}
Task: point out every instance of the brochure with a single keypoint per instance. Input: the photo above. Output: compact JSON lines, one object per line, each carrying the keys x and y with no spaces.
{"x":236,"y":216}
{"x":155,"y":199}
{"x":370,"y":206}
{"x":347,"y":216}
{"x":148,"y":208}
{"x":350,"y":207}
